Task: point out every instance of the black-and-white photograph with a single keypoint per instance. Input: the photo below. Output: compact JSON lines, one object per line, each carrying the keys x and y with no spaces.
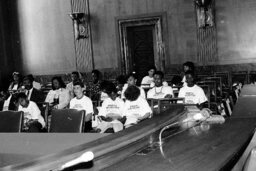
{"x":127,"y":85}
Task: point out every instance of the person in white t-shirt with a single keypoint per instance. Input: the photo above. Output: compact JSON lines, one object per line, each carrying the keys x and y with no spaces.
{"x":136,"y":108}
{"x":75,"y":76}
{"x":33,"y":120}
{"x":82,"y":102}
{"x":132,"y":80}
{"x":59,"y":96}
{"x":159,"y":91}
{"x":147,"y":80}
{"x":111,"y":110}
{"x":192,"y":93}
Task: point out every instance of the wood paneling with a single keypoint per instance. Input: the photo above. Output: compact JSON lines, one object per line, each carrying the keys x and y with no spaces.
{"x":83,"y":48}
{"x":236,"y":31}
{"x":46,"y":34}
{"x":180,"y":22}
{"x":207,"y":43}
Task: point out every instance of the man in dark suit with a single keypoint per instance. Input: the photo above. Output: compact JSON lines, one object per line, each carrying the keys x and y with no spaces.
{"x":32,"y":93}
{"x":7,"y":101}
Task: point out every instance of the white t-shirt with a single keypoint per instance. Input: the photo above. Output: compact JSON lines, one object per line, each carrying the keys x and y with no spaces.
{"x":147,"y":80}
{"x":135,"y":109}
{"x":32,"y":112}
{"x":193,"y":95}
{"x":62,"y":94}
{"x":184,"y":81}
{"x":159,"y":92}
{"x":111,"y":107}
{"x":142,"y":92}
{"x":103,"y":96}
{"x":7,"y":103}
{"x":37,"y":85}
{"x":84,"y":103}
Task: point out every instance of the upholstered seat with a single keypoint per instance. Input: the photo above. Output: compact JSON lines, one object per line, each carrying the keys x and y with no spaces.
{"x":11,"y":121}
{"x":67,"y":120}
{"x":44,"y":108}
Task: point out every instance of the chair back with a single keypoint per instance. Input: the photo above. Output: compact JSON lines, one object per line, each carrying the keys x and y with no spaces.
{"x":11,"y":121}
{"x":160,"y":105}
{"x":44,"y":108}
{"x":67,"y":120}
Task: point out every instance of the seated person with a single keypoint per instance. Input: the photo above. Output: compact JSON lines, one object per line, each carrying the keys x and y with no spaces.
{"x":103,"y":85}
{"x":160,"y":90}
{"x":93,"y":90}
{"x":16,"y":81}
{"x":59,"y":96}
{"x":147,"y":80}
{"x":111,"y":111}
{"x":32,"y":93}
{"x":33,"y":120}
{"x":136,"y":108}
{"x":75,"y":76}
{"x":192,"y":93}
{"x":36,"y":85}
{"x":120,"y":81}
{"x":187,"y":66}
{"x":8,"y":101}
{"x":132,"y":80}
{"x":82,"y":102}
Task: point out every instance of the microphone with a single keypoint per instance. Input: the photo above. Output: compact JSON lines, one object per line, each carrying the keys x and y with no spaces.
{"x":85,"y":157}
{"x":195,"y":118}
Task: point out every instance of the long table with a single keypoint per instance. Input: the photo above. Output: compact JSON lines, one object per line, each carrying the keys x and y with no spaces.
{"x":213,"y":147}
{"x":204,"y":147}
{"x":108,"y":149}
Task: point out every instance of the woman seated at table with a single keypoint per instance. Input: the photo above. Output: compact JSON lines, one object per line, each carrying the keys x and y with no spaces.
{"x":136,"y":108}
{"x":16,"y":81}
{"x":147,"y":80}
{"x":110,"y":112}
{"x":160,"y":90}
{"x":93,"y":88}
{"x":82,"y":102}
{"x":132,"y":80}
{"x":192,"y":93}
{"x":59,"y":96}
{"x":33,"y":120}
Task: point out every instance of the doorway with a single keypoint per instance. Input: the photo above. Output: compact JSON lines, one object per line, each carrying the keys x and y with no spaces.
{"x":141,"y":49}
{"x":141,"y":43}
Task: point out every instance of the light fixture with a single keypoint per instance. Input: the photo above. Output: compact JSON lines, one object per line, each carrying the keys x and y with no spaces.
{"x":81,"y":22}
{"x":204,"y":13}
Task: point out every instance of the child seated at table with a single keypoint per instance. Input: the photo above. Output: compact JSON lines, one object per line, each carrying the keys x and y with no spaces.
{"x":82,"y":102}
{"x":33,"y":120}
{"x":192,"y":93}
{"x":110,"y":113}
{"x":160,"y":90}
{"x":132,"y":80}
{"x":136,"y":108}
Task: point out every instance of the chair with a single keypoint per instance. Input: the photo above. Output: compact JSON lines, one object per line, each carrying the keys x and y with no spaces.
{"x":11,"y":121}
{"x":44,"y":108}
{"x":252,"y":77}
{"x":163,"y":104}
{"x":226,"y":78}
{"x":240,"y":77}
{"x":67,"y":120}
{"x":218,"y":81}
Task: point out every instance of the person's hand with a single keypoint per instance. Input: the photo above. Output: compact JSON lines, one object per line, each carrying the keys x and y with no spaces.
{"x":123,"y":119}
{"x":55,"y":107}
{"x":108,"y":119}
{"x":168,"y":96}
{"x":140,"y":119}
